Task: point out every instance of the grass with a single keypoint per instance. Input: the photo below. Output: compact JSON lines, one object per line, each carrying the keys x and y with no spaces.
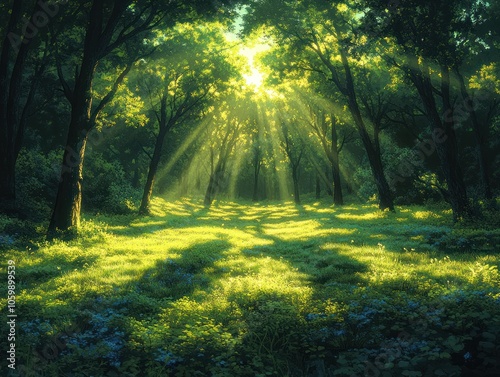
{"x":268,"y":289}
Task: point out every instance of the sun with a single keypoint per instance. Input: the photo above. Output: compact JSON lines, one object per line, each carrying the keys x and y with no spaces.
{"x":255,"y":78}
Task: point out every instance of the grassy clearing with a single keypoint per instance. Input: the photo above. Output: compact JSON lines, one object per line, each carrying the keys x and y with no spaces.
{"x":250,"y":290}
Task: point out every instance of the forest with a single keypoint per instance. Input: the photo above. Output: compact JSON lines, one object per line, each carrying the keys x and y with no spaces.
{"x":298,"y":188}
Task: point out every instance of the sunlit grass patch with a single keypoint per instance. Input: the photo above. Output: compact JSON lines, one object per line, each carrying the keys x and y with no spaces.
{"x":217,"y":289}
{"x":365,"y":216}
{"x":423,"y":215}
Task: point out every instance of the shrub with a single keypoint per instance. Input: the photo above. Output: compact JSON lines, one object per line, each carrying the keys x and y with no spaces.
{"x":106,"y":188}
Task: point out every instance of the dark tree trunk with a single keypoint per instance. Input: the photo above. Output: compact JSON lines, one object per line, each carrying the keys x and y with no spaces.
{"x":12,"y":119}
{"x":214,"y":184}
{"x":445,"y":140}
{"x":481,"y":141}
{"x":153,"y":168}
{"x":135,"y":178}
{"x":328,"y":183}
{"x":218,"y":169}
{"x":295,"y":179}
{"x":384,"y":192}
{"x":7,"y":179}
{"x":210,"y":192}
{"x":97,"y":44}
{"x":255,"y":196}
{"x":338,"y":198}
{"x":449,"y":157}
{"x":67,"y":208}
{"x":294,"y":158}
{"x":318,"y":186}
{"x":7,"y":136}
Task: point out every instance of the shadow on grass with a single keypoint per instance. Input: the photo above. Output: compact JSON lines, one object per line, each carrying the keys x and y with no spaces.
{"x":270,"y":320}
{"x":173,"y":278}
{"x":52,"y":267}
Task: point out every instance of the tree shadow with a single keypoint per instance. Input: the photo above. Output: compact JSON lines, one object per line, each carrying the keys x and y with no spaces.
{"x":52,"y":267}
{"x":173,"y":278}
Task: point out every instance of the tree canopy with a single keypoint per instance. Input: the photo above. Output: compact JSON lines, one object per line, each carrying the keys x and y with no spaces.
{"x":261,"y":99}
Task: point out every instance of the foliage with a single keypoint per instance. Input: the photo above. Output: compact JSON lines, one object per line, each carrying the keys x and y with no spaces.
{"x":106,"y":188}
{"x":37,"y":179}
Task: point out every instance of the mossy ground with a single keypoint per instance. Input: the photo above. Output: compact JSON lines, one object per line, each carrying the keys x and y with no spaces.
{"x":260,"y":289}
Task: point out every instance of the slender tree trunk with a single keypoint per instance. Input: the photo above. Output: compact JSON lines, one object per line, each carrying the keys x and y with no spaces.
{"x":295,"y":179}
{"x":11,"y":126}
{"x":338,"y":198}
{"x":481,"y":141}
{"x":153,"y":168}
{"x":7,"y":180}
{"x":318,"y":187}
{"x":209,"y":193}
{"x":255,"y":195}
{"x":135,"y":178}
{"x":384,"y":192}
{"x":7,"y":162}
{"x":214,"y":184}
{"x":445,"y":140}
{"x":328,"y":183}
{"x":449,"y":151}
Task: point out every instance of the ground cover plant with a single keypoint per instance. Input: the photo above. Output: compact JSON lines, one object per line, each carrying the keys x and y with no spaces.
{"x":254,"y":290}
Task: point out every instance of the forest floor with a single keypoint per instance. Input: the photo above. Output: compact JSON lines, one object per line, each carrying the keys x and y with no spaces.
{"x":256,"y":290}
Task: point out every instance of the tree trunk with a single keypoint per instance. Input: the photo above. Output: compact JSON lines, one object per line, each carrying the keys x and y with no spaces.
{"x":445,"y":140}
{"x":453,"y":171}
{"x":153,"y":168}
{"x":67,"y":208}
{"x":481,"y":141}
{"x":213,"y":184}
{"x":328,"y":183}
{"x":209,"y":193}
{"x":7,"y":179}
{"x":295,"y":178}
{"x":318,"y":187}
{"x":11,"y":126}
{"x":384,"y":192}
{"x":338,"y":198}
{"x":135,"y":178}
{"x":255,"y":195}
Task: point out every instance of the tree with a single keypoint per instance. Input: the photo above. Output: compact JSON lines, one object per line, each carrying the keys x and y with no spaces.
{"x":294,"y":147}
{"x":325,"y":127}
{"x":229,"y":126}
{"x":257,"y":155}
{"x":108,"y":26}
{"x":429,"y":36}
{"x":181,"y":85}
{"x":17,"y":90}
{"x":321,"y":38}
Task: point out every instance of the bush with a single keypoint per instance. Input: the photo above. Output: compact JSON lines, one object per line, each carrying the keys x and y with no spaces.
{"x":37,"y":178}
{"x":105,"y":187}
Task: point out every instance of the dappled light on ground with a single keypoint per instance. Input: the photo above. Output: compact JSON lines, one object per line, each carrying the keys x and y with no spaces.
{"x":189,"y":285}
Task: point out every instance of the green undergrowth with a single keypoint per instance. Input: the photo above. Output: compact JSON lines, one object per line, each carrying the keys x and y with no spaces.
{"x":258,"y":290}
